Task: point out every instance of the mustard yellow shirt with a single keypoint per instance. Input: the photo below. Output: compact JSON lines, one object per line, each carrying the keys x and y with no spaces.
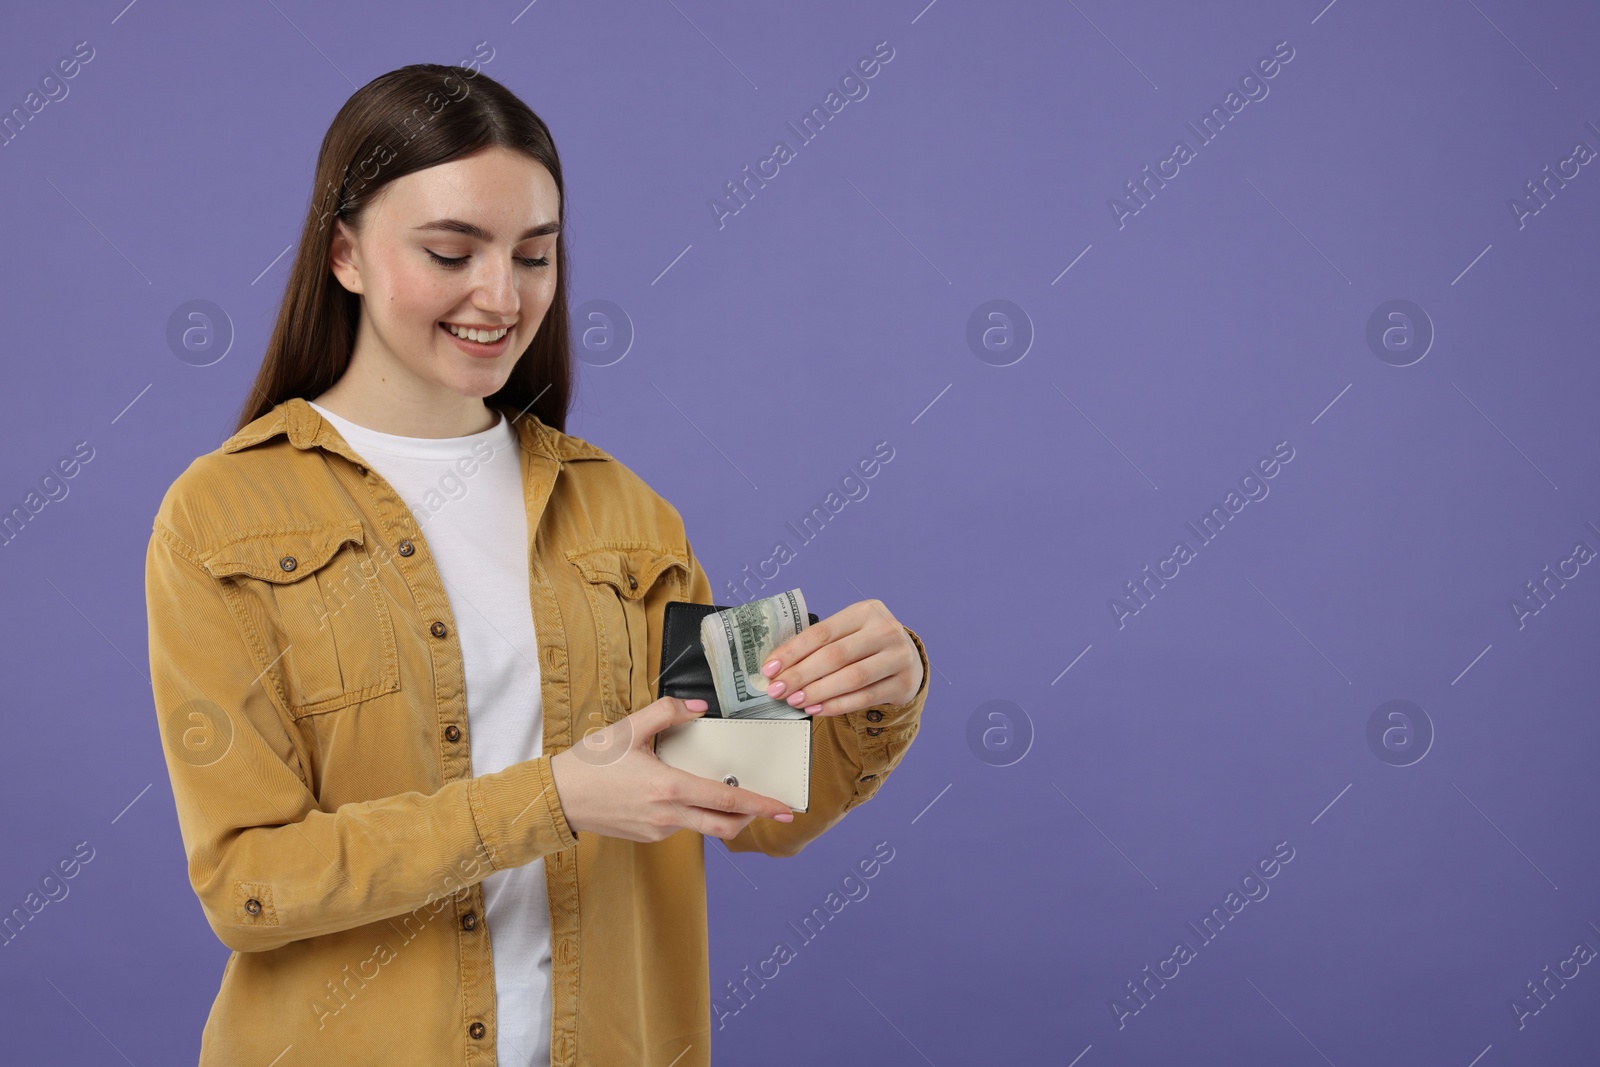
{"x":309,"y":692}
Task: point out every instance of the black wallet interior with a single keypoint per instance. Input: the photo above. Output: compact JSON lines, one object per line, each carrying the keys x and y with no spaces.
{"x":685,"y":674}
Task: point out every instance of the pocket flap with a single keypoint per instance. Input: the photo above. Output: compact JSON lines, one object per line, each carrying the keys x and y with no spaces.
{"x":629,"y":568}
{"x":284,"y":554}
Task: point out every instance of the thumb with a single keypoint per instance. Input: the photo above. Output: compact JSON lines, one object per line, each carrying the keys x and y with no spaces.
{"x":670,"y":711}
{"x":601,"y":748}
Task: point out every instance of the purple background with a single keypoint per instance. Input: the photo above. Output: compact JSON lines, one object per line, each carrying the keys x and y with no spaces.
{"x":832,"y":312}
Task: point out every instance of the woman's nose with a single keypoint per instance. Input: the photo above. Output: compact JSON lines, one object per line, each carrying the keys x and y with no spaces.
{"x":497,"y":290}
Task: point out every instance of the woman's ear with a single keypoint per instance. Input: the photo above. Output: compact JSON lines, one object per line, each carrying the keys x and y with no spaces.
{"x":342,"y":257}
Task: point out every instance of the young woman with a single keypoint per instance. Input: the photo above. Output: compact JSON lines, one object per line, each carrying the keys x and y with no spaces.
{"x":404,"y":636}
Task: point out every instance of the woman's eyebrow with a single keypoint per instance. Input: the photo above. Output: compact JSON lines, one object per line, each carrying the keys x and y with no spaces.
{"x":472,"y":230}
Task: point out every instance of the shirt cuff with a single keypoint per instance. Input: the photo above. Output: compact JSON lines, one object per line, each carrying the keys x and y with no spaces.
{"x":883,"y":726}
{"x":519,"y":815}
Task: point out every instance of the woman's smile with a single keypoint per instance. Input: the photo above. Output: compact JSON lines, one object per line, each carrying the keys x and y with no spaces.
{"x":483,"y":349}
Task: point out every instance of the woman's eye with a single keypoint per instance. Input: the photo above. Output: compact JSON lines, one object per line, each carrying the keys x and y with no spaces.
{"x":452,"y":264}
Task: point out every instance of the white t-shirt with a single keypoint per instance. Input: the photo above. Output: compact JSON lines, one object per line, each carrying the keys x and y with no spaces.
{"x":476,"y":526}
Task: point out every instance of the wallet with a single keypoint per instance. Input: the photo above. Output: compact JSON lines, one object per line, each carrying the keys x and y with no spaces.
{"x":767,"y":756}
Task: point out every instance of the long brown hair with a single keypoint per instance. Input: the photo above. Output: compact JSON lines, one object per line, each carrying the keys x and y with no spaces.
{"x":404,"y":121}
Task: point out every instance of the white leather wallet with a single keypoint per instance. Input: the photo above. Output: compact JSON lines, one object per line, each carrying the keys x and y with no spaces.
{"x":767,"y":756}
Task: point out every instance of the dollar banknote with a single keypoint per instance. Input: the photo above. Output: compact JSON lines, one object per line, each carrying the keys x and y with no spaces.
{"x":739,"y":640}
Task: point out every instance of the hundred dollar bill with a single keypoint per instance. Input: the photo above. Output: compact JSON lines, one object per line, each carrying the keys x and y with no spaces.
{"x":739,"y":640}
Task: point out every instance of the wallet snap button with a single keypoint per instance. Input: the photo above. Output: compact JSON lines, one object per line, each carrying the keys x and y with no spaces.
{"x":729,"y":779}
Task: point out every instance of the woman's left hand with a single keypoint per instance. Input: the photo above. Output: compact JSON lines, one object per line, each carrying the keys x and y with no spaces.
{"x":853,"y":659}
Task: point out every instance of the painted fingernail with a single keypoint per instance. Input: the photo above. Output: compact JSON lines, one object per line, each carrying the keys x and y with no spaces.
{"x":771,"y":668}
{"x":697,"y":705}
{"x":813,"y":709}
{"x":776,"y":689}
{"x":785,"y":816}
{"x":798,"y":699}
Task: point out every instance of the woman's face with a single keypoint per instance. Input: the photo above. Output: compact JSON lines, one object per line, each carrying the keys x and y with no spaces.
{"x":470,"y":244}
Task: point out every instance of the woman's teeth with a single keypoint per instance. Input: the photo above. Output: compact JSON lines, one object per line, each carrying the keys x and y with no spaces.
{"x":484,"y":337}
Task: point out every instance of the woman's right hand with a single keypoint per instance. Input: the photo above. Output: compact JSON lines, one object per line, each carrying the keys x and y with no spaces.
{"x":610,"y":782}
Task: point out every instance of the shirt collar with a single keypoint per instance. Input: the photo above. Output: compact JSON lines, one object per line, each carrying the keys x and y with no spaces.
{"x":306,"y":428}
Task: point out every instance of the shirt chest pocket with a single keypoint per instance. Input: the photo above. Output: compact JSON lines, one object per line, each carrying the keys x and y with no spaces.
{"x":309,"y":601}
{"x":626,"y":583}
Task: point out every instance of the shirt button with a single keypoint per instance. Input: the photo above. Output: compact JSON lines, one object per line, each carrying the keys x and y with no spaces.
{"x":633,"y":583}
{"x":253,"y":906}
{"x":452,"y":732}
{"x":406,"y":548}
{"x":469,"y":921}
{"x":438,"y":629}
{"x":287,"y":563}
{"x":874,"y":715}
{"x":874,"y":731}
{"x":476,"y":1029}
